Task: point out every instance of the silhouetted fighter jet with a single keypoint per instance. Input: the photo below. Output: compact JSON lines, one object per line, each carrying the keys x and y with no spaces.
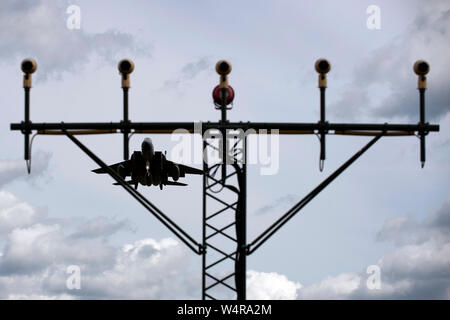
{"x":149,"y":167}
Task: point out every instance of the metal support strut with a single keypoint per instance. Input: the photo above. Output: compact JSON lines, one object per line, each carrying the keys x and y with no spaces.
{"x":263,"y":237}
{"x":165,"y":220}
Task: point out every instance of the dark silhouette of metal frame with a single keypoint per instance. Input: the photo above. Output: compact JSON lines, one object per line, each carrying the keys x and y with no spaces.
{"x":211,"y":230}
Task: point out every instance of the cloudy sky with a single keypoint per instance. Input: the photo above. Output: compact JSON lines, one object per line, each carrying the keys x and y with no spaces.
{"x":384,"y":211}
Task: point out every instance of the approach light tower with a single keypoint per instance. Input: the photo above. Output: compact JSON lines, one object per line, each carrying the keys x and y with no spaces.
{"x":224,"y":194}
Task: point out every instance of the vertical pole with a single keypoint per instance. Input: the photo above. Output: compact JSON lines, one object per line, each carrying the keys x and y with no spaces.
{"x":422,"y":122}
{"x":223,"y":68}
{"x":126,"y":130}
{"x":28,"y":67}
{"x":27,"y":122}
{"x":241,"y":229}
{"x":322,"y":67}
{"x":205,"y":173}
{"x":126,"y":67}
{"x":322,"y":121}
{"x":421,"y":68}
{"x":244,"y":213}
{"x":224,"y":94}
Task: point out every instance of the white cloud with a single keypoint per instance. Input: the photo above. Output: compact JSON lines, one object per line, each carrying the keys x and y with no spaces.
{"x":37,"y":253}
{"x":145,"y":269}
{"x":15,"y":213}
{"x":270,"y":286}
{"x":38,"y":297}
{"x":339,"y":287}
{"x":35,"y":261}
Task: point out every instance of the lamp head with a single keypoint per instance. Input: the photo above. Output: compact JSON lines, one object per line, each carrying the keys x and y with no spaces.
{"x":126,"y":66}
{"x":322,"y":65}
{"x":421,"y":67}
{"x":28,"y":65}
{"x":223,"y":67}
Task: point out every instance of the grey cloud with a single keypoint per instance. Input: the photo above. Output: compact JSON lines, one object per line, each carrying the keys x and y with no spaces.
{"x":11,"y":170}
{"x":37,"y":252}
{"x":400,"y":230}
{"x":191,"y":69}
{"x":350,"y":103}
{"x":189,"y":72}
{"x":417,"y":268}
{"x":100,"y":227}
{"x":441,"y":219}
{"x":35,"y":258}
{"x":38,"y":29}
{"x":391,"y":66}
{"x":145,"y":269}
{"x":31,"y":250}
{"x":281,"y":203}
{"x":407,"y":230}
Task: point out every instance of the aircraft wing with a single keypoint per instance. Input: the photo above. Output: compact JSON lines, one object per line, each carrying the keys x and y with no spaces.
{"x":125,"y":164}
{"x":184,"y":169}
{"x":189,"y":170}
{"x":174,"y":183}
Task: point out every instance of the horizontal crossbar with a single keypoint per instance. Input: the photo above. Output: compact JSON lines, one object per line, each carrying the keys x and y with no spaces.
{"x":169,"y":127}
{"x":373,"y":133}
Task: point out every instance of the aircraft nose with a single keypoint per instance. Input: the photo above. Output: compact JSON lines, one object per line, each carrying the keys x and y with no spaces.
{"x":147,"y":149}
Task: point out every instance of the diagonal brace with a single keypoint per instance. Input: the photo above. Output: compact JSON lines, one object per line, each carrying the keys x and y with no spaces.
{"x":164,"y":219}
{"x":263,"y":237}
